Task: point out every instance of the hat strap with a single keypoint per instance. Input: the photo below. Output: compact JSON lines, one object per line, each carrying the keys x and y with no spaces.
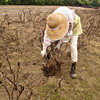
{"x":53,"y":29}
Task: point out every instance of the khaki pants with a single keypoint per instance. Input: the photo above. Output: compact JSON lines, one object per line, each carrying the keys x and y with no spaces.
{"x":73,"y":48}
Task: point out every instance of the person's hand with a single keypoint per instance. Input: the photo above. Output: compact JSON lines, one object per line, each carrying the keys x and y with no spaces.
{"x":43,"y":53}
{"x":58,"y":46}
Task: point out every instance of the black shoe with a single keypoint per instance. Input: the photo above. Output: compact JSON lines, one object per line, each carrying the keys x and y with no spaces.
{"x":73,"y":70}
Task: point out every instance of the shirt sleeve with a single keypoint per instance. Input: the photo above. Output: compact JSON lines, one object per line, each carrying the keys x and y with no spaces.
{"x":67,"y":37}
{"x":46,"y":41}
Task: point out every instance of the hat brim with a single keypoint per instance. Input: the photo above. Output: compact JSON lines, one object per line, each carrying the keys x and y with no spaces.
{"x":60,"y":32}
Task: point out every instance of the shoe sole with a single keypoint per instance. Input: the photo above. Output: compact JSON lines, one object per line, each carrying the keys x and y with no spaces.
{"x":73,"y":76}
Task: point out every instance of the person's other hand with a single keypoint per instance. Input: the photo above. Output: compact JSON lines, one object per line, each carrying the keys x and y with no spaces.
{"x":57,"y":46}
{"x":43,"y":53}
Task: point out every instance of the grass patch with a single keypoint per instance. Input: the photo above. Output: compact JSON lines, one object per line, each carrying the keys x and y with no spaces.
{"x":57,"y":96}
{"x":88,"y":96}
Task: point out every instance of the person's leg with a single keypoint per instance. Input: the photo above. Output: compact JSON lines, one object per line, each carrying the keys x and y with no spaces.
{"x":77,"y":30}
{"x":74,"y":55}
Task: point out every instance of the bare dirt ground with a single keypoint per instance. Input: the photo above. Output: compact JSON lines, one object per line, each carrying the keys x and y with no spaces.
{"x":25,"y":75}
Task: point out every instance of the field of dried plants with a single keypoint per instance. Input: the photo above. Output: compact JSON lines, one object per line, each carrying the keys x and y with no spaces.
{"x":25,"y":75}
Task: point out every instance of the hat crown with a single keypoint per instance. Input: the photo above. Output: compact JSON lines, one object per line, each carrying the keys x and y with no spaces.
{"x":54,"y":20}
{"x":57,"y":26}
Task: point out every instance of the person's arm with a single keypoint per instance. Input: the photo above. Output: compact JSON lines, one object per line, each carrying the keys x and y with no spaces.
{"x":73,"y":47}
{"x":64,"y":39}
{"x":59,"y":44}
{"x":46,"y":43}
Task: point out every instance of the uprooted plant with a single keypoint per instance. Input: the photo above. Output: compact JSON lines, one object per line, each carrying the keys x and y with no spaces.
{"x":52,"y":61}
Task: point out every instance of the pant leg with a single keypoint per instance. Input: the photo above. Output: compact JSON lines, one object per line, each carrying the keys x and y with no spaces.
{"x":73,"y":48}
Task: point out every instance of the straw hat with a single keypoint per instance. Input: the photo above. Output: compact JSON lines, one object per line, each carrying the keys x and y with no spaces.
{"x":57,"y":26}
